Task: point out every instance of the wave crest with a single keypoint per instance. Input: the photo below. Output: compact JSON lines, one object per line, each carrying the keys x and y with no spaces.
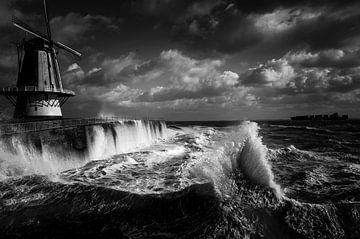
{"x":241,"y":151}
{"x":252,"y":159}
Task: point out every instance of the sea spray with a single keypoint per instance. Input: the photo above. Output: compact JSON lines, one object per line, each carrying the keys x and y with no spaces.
{"x":23,"y":158}
{"x":240,"y":150}
{"x":51,"y":152}
{"x":122,"y":137}
{"x":196,"y":182}
{"x":252,"y":160}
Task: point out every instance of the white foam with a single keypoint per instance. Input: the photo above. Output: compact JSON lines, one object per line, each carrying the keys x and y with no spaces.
{"x":126,"y":138}
{"x":252,"y":159}
{"x":159,"y":156}
{"x":241,"y":150}
{"x":26,"y":159}
{"x":19,"y":157}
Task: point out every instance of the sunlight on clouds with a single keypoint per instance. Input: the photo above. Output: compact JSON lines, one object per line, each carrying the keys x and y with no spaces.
{"x":325,"y":77}
{"x":178,"y":82}
{"x":283,"y":19}
{"x":276,"y":73}
{"x":174,"y":81}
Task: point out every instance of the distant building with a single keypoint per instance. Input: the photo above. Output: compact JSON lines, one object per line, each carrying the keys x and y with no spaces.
{"x":334,"y":116}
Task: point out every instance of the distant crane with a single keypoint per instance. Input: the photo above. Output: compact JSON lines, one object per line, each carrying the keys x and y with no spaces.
{"x":39,"y":92}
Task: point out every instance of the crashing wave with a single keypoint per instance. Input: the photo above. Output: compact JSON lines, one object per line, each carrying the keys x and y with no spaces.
{"x":253,"y":161}
{"x":240,"y":151}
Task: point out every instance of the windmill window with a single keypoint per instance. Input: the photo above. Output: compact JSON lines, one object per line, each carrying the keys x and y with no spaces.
{"x":35,"y":108}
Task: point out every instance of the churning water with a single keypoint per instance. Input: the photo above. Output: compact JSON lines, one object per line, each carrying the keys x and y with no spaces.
{"x":188,"y":180}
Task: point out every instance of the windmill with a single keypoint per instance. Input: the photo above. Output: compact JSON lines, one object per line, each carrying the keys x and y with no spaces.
{"x":39,"y":92}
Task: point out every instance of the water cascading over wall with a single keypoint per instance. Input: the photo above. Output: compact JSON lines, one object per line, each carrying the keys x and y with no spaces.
{"x":122,"y":137}
{"x":52,"y":151}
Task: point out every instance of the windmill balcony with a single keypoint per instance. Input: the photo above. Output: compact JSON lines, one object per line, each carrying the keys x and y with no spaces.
{"x":33,"y":89}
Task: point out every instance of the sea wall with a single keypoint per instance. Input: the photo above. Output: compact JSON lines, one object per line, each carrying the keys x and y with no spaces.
{"x":55,"y":150}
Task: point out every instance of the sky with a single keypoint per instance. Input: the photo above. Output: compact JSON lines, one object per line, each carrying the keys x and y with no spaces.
{"x":197,"y":59}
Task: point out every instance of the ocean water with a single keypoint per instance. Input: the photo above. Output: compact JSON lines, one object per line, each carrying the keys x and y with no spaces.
{"x":266,"y":179}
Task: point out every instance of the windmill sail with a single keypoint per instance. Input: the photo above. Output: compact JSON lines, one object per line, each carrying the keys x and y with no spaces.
{"x":47,"y":21}
{"x":67,"y":48}
{"x":23,"y":26}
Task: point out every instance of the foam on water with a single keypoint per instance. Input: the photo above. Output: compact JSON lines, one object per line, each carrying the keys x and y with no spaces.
{"x":19,"y":156}
{"x":160,"y":156}
{"x":203,"y":182}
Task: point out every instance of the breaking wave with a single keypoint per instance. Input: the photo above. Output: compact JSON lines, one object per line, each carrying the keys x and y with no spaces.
{"x":202,"y":182}
{"x":241,"y":151}
{"x":253,"y":159}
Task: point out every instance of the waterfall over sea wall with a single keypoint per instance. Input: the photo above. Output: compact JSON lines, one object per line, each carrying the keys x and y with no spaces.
{"x":52,"y":151}
{"x":122,"y":137}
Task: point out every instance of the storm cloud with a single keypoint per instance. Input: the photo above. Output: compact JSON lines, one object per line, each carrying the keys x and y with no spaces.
{"x":197,"y":59}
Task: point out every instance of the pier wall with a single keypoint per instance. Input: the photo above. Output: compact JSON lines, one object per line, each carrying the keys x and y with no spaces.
{"x":51,"y":148}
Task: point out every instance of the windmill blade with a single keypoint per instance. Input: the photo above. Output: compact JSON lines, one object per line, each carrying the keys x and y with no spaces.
{"x":47,"y":21}
{"x":23,"y":26}
{"x":65,"y":47}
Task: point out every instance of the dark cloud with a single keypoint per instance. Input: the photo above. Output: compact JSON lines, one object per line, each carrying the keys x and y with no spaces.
{"x":303,"y":53}
{"x":227,"y":35}
{"x":319,"y":33}
{"x":233,"y":27}
{"x":173,"y":10}
{"x":75,"y":28}
{"x":265,"y":6}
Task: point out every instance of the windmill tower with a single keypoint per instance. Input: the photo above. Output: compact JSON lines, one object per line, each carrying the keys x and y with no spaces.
{"x":39,"y":92}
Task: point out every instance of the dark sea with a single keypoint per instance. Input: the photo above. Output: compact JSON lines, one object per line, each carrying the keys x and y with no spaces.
{"x":265,"y":179}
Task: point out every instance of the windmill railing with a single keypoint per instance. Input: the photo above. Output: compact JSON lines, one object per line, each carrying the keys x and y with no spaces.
{"x":17,"y":128}
{"x":34,"y":89}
